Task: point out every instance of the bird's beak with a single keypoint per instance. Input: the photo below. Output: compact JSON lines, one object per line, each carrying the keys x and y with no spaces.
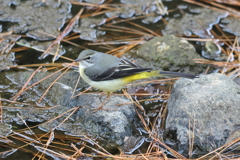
{"x":77,"y":60}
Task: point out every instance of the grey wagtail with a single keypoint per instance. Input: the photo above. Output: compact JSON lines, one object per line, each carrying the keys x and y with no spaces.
{"x":109,"y":73}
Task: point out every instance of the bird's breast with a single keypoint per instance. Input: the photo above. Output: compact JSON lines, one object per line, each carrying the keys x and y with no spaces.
{"x":106,"y":86}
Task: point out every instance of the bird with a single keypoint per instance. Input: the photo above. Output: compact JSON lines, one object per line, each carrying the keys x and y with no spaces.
{"x":110,"y":73}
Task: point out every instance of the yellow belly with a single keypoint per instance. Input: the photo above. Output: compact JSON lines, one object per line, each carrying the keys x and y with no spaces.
{"x":116,"y":84}
{"x":106,"y":86}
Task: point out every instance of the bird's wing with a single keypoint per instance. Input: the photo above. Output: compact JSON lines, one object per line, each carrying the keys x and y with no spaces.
{"x":124,"y":69}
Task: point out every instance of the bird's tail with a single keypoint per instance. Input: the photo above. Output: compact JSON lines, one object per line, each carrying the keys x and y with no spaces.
{"x":144,"y":75}
{"x":177,"y":74}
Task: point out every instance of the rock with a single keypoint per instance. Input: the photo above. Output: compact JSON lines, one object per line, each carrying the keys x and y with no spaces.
{"x":26,"y":22}
{"x":169,"y":53}
{"x":205,"y":109}
{"x":234,"y":136}
{"x":197,"y":23}
{"x":95,"y":1}
{"x":110,"y":126}
{"x":133,"y":143}
{"x":6,"y":56}
{"x":133,"y":8}
{"x":234,"y":140}
{"x":83,"y":157}
{"x":212,"y":50}
{"x":5,"y":129}
{"x":42,"y":46}
{"x":230,"y":25}
{"x":87,"y":26}
{"x":237,"y":80}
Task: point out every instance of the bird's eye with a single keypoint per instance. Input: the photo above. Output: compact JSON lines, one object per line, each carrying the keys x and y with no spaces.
{"x":87,"y":58}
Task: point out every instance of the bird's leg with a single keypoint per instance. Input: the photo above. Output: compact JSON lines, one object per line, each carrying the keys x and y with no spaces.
{"x":101,"y":106}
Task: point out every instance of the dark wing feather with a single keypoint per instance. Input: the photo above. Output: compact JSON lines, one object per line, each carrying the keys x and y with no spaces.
{"x":127,"y":62}
{"x":125,"y":68}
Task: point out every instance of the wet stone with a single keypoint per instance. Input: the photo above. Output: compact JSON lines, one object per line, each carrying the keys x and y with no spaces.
{"x":197,"y":24}
{"x":111,"y":126}
{"x":151,"y":19}
{"x":86,"y":27}
{"x":212,"y":50}
{"x":89,"y":34}
{"x":7,"y":57}
{"x":137,"y":8}
{"x":5,"y":129}
{"x":133,"y":143}
{"x":42,"y":46}
{"x":6,"y":60}
{"x":95,"y":1}
{"x":40,"y":17}
{"x":169,"y":53}
{"x":83,"y":157}
{"x":15,"y":81}
{"x":231,"y":25}
{"x":122,"y":11}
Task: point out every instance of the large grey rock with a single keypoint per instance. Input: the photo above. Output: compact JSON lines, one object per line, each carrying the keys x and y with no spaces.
{"x":110,"y":126}
{"x":206,"y":109}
